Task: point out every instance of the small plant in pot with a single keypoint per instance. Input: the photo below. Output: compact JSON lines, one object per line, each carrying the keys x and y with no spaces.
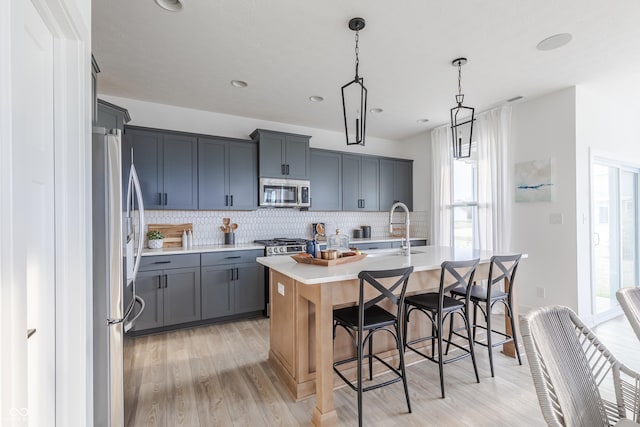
{"x":156,"y":239}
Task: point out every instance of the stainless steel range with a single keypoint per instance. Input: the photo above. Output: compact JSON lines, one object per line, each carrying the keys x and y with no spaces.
{"x":283,"y":246}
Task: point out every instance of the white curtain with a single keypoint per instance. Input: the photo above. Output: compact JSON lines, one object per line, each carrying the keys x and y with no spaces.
{"x":441,"y":192}
{"x":494,"y":197}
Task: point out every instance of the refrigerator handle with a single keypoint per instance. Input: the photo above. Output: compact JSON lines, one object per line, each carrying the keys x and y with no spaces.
{"x":131,"y":323}
{"x":127,"y":313}
{"x":134,"y":184}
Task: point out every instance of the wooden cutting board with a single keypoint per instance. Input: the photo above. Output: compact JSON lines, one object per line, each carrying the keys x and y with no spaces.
{"x":172,"y":233}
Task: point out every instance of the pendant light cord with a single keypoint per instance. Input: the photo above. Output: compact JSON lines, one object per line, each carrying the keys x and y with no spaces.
{"x":357,"y":52}
{"x":459,"y":77}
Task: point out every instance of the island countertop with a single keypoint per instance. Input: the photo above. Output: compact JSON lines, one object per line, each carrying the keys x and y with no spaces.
{"x":422,"y":258}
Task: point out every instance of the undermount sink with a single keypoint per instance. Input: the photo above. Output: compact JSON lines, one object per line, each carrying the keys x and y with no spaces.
{"x":388,"y":252}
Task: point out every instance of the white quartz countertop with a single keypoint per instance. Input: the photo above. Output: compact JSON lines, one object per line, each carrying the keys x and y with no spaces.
{"x":422,"y":258}
{"x":202,"y":248}
{"x":249,"y":246}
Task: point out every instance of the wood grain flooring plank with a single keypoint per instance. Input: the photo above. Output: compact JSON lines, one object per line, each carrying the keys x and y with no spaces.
{"x":218,"y":375}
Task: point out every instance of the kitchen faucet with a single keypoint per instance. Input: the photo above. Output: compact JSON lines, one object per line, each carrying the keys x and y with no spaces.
{"x":406,"y":246}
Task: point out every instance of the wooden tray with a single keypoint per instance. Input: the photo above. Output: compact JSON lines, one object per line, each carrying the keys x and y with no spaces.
{"x":172,"y":233}
{"x":327,"y":262}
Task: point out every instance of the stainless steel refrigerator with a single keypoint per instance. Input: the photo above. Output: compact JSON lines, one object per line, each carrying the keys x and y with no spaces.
{"x":115,"y":265}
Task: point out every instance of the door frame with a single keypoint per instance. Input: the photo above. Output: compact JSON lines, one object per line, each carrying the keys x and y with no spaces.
{"x":70,"y":23}
{"x":608,"y":159}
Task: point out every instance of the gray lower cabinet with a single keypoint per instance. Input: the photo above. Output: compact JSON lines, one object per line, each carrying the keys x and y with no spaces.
{"x":233,"y":284}
{"x":360,"y":183}
{"x":167,"y":165}
{"x":326,"y":180}
{"x":282,"y":155}
{"x":227,"y":174}
{"x":172,"y":296}
{"x":396,"y":183}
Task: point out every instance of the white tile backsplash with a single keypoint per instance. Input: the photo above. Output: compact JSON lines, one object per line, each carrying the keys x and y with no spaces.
{"x":270,"y":223}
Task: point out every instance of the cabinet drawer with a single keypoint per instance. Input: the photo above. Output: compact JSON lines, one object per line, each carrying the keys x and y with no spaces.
{"x":163,"y":262}
{"x":373,"y":245}
{"x":230,"y":257}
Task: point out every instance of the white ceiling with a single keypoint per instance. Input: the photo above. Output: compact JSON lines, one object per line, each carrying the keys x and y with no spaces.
{"x":288,"y":50}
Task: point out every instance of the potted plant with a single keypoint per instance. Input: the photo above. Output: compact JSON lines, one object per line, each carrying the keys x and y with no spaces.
{"x":156,"y":239}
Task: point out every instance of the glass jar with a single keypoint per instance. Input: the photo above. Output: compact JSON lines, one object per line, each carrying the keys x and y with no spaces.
{"x":338,"y":241}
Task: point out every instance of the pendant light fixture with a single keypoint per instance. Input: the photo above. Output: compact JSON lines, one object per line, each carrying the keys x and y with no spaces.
{"x":461,"y":119}
{"x":354,"y":97}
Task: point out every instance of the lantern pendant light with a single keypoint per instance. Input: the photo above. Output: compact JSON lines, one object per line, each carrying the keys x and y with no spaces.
{"x":462,"y":119}
{"x":354,"y":97}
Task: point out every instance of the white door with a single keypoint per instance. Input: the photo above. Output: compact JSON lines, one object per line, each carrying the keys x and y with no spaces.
{"x":32,"y":280}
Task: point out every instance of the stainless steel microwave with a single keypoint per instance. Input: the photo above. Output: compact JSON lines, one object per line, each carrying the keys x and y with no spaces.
{"x":284,"y":193}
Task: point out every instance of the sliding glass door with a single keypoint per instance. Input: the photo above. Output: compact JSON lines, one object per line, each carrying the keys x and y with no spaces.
{"x":615,"y":233}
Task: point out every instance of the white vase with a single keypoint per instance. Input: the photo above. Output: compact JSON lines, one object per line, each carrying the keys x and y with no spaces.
{"x":156,"y":243}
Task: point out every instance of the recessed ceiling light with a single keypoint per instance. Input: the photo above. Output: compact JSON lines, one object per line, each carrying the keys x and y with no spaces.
{"x":171,"y":5}
{"x":376,"y":110}
{"x":316,"y":98}
{"x":239,"y":83}
{"x":422,"y":121}
{"x":554,"y":42}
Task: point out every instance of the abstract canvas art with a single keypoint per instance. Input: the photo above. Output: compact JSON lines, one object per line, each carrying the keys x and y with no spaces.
{"x":534,"y":181}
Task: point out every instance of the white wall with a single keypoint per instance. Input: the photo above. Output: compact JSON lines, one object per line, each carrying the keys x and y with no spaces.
{"x":418,"y":148}
{"x":189,"y":120}
{"x":607,"y":114}
{"x":544,"y":128}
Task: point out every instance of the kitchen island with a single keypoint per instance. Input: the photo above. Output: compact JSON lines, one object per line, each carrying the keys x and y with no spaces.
{"x":302,"y":301}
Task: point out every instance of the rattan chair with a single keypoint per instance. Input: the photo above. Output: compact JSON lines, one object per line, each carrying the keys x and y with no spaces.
{"x":577,"y":380}
{"x":629,"y":299}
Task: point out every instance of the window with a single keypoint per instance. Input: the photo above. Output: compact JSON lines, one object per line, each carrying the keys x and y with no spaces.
{"x":464,"y":224}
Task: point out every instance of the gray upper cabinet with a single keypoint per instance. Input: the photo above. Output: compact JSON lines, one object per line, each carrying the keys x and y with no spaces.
{"x":167,"y":165}
{"x":282,"y":155}
{"x":227,"y":174}
{"x":111,"y":116}
{"x":360,"y":183}
{"x":396,"y":183}
{"x":326,"y":180}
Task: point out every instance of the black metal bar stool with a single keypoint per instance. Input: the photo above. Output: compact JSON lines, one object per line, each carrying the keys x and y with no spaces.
{"x":488,"y":295}
{"x":369,"y":317}
{"x":437,"y":307}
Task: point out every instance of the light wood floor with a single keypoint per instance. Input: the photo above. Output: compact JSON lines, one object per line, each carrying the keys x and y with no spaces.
{"x":219,"y":376}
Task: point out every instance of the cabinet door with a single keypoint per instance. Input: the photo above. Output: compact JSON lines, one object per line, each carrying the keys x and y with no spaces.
{"x":271,"y":161}
{"x":404,"y":183}
{"x":387,"y":183}
{"x":147,"y":159}
{"x":212,"y":174}
{"x":369,"y":188}
{"x":325,"y":171}
{"x":181,"y":295}
{"x":243,"y":178}
{"x":180,"y":158}
{"x":350,"y":182}
{"x":249,"y":287}
{"x":149,"y":286}
{"x":297,"y":157}
{"x":217,"y":291}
